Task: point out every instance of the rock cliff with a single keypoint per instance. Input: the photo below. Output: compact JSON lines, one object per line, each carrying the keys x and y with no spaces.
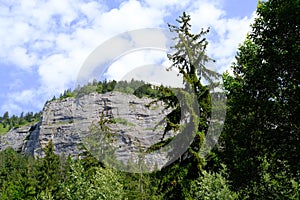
{"x":132,"y":124}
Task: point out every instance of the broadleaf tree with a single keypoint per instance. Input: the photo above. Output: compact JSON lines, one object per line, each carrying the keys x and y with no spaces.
{"x":263,"y":97}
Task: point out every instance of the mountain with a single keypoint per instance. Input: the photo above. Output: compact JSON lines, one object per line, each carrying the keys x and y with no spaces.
{"x":113,"y":121}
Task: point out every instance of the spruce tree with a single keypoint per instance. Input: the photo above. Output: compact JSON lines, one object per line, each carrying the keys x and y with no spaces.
{"x":49,"y":171}
{"x":189,"y":58}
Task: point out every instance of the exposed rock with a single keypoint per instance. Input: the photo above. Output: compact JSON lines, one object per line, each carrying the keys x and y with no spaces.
{"x":134,"y":125}
{"x":16,"y":138}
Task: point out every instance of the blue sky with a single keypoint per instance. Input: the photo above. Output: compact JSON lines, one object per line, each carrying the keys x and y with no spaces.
{"x":44,"y":43}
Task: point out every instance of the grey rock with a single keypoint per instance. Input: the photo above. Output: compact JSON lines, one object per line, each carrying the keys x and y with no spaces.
{"x":17,"y":137}
{"x":132,"y":124}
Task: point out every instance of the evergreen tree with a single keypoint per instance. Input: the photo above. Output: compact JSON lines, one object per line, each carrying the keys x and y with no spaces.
{"x":5,"y":119}
{"x":49,"y":171}
{"x":190,"y":58}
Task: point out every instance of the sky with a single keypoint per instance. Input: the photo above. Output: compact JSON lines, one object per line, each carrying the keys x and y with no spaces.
{"x":44,"y":44}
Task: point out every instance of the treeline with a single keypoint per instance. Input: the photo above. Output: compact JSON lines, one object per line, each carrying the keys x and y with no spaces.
{"x":8,"y":122}
{"x":135,"y":87}
{"x":53,"y":177}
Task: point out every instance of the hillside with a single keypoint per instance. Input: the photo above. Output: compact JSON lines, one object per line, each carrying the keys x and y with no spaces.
{"x":68,"y":122}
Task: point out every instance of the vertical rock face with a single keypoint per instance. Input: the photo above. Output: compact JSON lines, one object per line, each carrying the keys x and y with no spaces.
{"x":15,"y":138}
{"x":132,"y":124}
{"x":57,"y":124}
{"x":32,"y":141}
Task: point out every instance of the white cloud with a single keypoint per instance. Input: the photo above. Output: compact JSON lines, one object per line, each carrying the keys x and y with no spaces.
{"x":92,"y":9}
{"x":228,"y":32}
{"x":224,"y":49}
{"x":127,"y":63}
{"x":55,"y":37}
{"x":175,"y":4}
{"x":18,"y":101}
{"x":56,"y":73}
{"x":131,"y":15}
{"x":205,"y":14}
{"x":155,"y":74}
{"x":11,"y":107}
{"x":20,"y":57}
{"x":23,"y":97}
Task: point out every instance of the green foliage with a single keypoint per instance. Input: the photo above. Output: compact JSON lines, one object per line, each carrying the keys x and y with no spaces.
{"x":146,"y":90}
{"x":49,"y":171}
{"x":16,"y":175}
{"x":23,"y":177}
{"x":159,"y":145}
{"x":7,"y":122}
{"x":176,"y":179}
{"x":141,"y":186}
{"x":190,"y":58}
{"x":136,"y":87}
{"x":3,"y":129}
{"x":108,"y":86}
{"x":94,"y":183}
{"x":44,"y":195}
{"x":212,"y":186}
{"x":274,"y":182}
{"x":263,"y":104}
{"x":67,"y":93}
{"x":128,"y":87}
{"x":85,"y":90}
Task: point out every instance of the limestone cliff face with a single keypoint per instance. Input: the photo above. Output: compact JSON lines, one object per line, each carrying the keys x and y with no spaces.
{"x":70,"y":123}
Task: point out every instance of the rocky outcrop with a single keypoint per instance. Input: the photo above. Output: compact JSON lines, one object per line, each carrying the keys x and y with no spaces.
{"x":99,"y":122}
{"x":17,"y":137}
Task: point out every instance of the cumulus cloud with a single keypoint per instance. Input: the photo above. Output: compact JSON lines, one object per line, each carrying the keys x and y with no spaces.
{"x":129,"y":62}
{"x":224,"y":49}
{"x":20,"y":57}
{"x":131,"y":15}
{"x":227,"y":33}
{"x":54,"y":38}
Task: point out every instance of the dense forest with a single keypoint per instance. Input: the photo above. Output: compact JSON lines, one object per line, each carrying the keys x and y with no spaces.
{"x":258,"y":152}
